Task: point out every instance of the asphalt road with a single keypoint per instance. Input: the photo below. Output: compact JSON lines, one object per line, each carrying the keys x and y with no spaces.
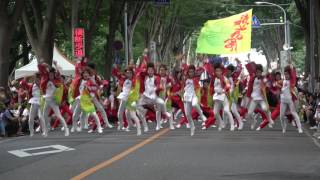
{"x":170,"y":155}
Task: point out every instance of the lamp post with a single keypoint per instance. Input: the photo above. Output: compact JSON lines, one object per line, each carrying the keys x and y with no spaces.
{"x":286,"y":46}
{"x":286,"y":43}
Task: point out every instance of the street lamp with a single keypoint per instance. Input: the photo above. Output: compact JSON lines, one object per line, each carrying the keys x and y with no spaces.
{"x":286,"y":45}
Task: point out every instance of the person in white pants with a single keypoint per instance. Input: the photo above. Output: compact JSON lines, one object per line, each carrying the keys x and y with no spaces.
{"x":51,"y":104}
{"x":257,"y":87}
{"x":165,"y":85}
{"x":190,"y":99}
{"x":221,"y":86}
{"x":233,"y":94}
{"x":90,"y":88}
{"x":95,"y":99}
{"x":150,"y":98}
{"x":286,"y":98}
{"x":35,"y":107}
{"x":130,"y":112}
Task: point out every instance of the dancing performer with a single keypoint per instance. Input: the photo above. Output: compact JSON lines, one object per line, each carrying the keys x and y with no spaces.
{"x":52,"y":89}
{"x":288,"y":97}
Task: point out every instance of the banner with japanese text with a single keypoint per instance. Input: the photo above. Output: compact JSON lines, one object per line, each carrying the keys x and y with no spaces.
{"x":229,"y":35}
{"x":78,"y":43}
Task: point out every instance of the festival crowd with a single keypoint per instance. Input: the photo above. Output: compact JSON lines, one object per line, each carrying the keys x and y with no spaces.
{"x":210,"y":94}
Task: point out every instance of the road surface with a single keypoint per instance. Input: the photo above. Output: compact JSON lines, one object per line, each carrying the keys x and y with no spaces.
{"x":163,"y":155}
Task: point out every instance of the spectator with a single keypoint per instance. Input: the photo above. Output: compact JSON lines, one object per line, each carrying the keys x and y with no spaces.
{"x":3,"y":98}
{"x":317,"y":119}
{"x":9,"y":123}
{"x":310,"y":110}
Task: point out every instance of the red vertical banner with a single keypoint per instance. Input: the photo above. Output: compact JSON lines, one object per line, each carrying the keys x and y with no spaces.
{"x":78,"y":43}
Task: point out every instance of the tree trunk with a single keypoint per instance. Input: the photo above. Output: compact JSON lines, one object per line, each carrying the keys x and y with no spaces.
{"x":116,"y":9}
{"x":42,"y":41}
{"x":5,"y":42}
{"x":7,"y":27}
{"x":130,"y":45}
{"x":312,"y":45}
{"x":92,"y":27}
{"x":135,"y":11}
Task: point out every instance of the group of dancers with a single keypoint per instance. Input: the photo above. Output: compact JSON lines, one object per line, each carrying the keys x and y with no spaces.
{"x":212,"y":94}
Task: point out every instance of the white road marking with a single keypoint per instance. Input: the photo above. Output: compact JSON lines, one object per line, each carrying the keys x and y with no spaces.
{"x":24,"y":152}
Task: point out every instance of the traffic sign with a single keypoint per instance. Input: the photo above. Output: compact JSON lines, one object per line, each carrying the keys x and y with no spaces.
{"x":161,"y":2}
{"x":255,"y":22}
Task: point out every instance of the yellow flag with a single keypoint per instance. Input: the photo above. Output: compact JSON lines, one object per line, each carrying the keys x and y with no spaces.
{"x":229,"y":35}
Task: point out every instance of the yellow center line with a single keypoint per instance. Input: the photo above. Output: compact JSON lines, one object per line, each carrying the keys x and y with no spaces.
{"x":118,"y":157}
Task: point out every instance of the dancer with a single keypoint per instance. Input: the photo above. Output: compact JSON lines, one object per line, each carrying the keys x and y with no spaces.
{"x":150,"y":85}
{"x":233,"y":75}
{"x":53,"y":90}
{"x":165,"y":85}
{"x":221,"y":87}
{"x":95,"y":98}
{"x":88,"y":90}
{"x":287,"y":98}
{"x":190,"y":98}
{"x":34,"y":101}
{"x":256,"y":90}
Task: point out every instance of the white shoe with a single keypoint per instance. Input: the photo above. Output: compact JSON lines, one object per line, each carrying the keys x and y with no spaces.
{"x":244,"y":120}
{"x":38,"y":129}
{"x":66,"y":132}
{"x":192,"y":130}
{"x":293,"y":123}
{"x":168,"y":115}
{"x":146,"y":129}
{"x":219,"y":128}
{"x":52,"y":129}
{"x":62,"y":128}
{"x":300,"y":131}
{"x":127,"y":129}
{"x":172,"y":127}
{"x":213,"y":126}
{"x":178,"y":126}
{"x":31,"y":134}
{"x":138,"y":132}
{"x":79,"y":129}
{"x":240,"y":126}
{"x":119,"y":128}
{"x":100,"y":130}
{"x":203,"y":123}
{"x":271,"y":122}
{"x":223,"y":125}
{"x":158,"y":128}
{"x":109,"y":125}
{"x":188,"y":125}
{"x":313,"y":128}
{"x":90,"y":131}
{"x":232,"y":128}
{"x":258,"y":129}
{"x":204,"y":128}
{"x":270,"y":125}
{"x":72,"y":130}
{"x":283,"y":131}
{"x":45,"y":134}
